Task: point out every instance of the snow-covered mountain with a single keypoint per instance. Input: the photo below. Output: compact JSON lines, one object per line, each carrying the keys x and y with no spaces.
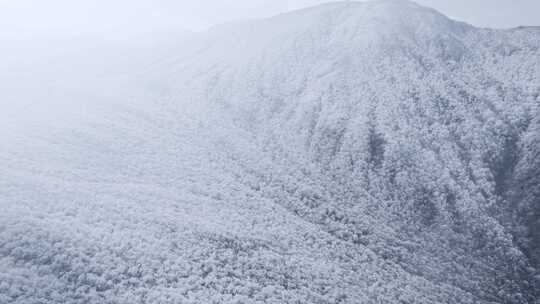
{"x":372,"y":152}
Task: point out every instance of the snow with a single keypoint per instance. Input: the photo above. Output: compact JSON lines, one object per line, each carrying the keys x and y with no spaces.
{"x":346,"y":153}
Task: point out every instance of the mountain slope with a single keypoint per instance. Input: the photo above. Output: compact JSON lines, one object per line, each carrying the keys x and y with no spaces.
{"x":351,"y":152}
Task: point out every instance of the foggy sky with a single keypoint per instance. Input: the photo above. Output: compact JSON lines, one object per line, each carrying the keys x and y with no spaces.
{"x":33,"y":17}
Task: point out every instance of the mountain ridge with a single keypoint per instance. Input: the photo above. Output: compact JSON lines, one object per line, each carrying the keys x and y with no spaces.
{"x":445,"y":64}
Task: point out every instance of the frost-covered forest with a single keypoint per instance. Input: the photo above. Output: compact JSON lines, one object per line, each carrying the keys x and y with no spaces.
{"x":373,"y":152}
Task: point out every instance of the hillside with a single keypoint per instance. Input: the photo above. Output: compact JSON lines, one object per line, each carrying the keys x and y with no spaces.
{"x":372,"y":152}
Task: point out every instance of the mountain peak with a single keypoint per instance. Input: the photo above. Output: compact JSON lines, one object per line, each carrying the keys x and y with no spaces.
{"x":402,"y":17}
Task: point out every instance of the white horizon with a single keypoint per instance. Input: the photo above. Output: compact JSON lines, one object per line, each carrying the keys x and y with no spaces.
{"x":127,"y":18}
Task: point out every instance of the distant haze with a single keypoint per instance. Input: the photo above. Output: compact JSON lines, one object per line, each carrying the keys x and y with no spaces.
{"x":123,"y":17}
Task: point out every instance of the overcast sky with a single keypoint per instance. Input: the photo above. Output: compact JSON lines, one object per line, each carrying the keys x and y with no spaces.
{"x":133,"y":16}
